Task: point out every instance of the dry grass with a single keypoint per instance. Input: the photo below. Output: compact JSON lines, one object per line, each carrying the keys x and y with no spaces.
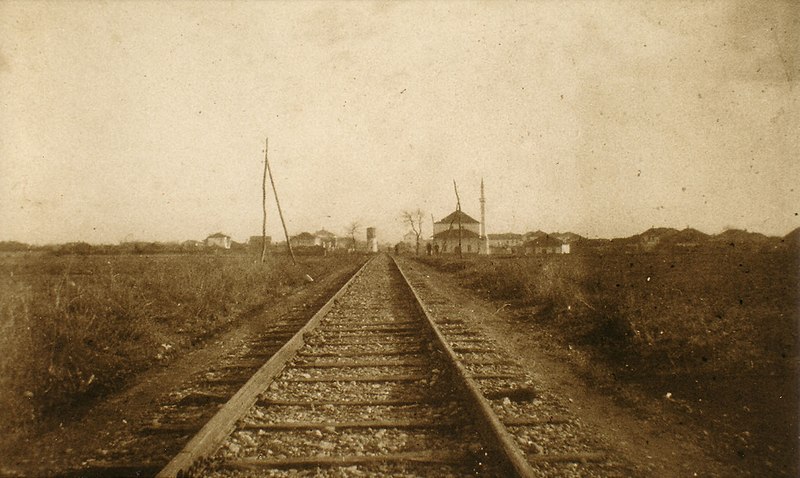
{"x":77,"y":327}
{"x":666,"y":313}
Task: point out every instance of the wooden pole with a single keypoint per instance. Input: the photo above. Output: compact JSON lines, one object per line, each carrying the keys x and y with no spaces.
{"x":280,"y":212}
{"x":458,"y":209}
{"x":264,"y":207}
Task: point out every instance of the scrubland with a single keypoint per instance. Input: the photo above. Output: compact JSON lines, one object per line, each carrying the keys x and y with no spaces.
{"x":76,"y":327}
{"x":714,"y":333}
{"x":658,"y":312}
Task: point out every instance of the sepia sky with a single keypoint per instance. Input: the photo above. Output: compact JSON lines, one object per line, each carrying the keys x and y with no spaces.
{"x":146,"y":121}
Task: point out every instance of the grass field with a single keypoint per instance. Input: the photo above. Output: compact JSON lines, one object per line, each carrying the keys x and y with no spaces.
{"x":76,"y":327}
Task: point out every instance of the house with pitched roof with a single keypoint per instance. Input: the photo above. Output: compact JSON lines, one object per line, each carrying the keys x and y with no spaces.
{"x":305,"y":239}
{"x":546,"y":245}
{"x":446,"y":234}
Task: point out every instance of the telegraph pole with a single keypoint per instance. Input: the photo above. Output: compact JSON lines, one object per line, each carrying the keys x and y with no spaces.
{"x":264,"y":208}
{"x":458,"y":211}
{"x":280,"y":212}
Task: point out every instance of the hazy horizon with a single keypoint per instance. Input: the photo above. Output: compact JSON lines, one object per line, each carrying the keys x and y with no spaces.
{"x":146,"y":121}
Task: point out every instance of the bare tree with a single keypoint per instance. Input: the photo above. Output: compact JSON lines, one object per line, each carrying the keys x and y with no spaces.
{"x":414,"y":220}
{"x":352,"y":230}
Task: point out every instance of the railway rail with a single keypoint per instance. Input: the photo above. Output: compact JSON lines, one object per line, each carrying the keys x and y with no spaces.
{"x":387,"y":380}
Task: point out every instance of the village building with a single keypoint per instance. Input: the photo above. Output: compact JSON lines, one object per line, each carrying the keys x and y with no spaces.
{"x":532,"y":236}
{"x":327,"y":239}
{"x":546,"y":245}
{"x":305,"y":239}
{"x":446,"y":235}
{"x":505,"y":243}
{"x":219,"y":240}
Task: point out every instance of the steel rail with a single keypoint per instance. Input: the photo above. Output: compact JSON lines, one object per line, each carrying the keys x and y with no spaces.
{"x":213,"y":433}
{"x":199,"y":450}
{"x":489,"y":424}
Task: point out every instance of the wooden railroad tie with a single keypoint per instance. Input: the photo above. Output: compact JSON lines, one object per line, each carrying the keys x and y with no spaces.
{"x":533,"y":422}
{"x":357,"y":378}
{"x":437,"y":457}
{"x":370,"y":334}
{"x":493,"y":375}
{"x":375,"y":329}
{"x":408,"y":423}
{"x":360,"y":364}
{"x":367,"y":403}
{"x":322,"y":341}
{"x":348,"y":353}
{"x":467,"y":349}
{"x":363,"y":325}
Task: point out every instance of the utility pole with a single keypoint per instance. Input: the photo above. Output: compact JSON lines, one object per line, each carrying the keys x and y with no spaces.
{"x":278,"y":203}
{"x":484,"y":238}
{"x":264,"y":208}
{"x":458,"y":212}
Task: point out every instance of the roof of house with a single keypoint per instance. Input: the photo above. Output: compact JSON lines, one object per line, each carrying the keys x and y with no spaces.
{"x":453,"y":234}
{"x":324,"y":233}
{"x":505,"y":235}
{"x":218,"y":234}
{"x":535,"y":233}
{"x":304,"y":235}
{"x":545,"y":241}
{"x":453,"y":218}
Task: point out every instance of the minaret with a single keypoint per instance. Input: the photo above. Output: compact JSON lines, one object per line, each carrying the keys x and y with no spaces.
{"x":484,"y":239}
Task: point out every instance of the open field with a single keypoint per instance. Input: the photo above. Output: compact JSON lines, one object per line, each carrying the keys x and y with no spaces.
{"x":76,"y":327}
{"x":714,"y":333}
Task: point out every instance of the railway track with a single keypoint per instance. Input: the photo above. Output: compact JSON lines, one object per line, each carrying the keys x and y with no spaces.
{"x":387,"y":380}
